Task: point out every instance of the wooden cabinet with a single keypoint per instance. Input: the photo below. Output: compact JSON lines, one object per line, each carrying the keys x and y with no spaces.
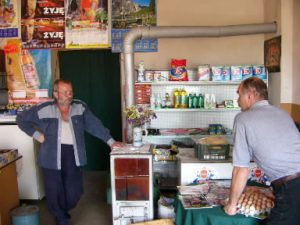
{"x":9,"y":196}
{"x":131,"y":181}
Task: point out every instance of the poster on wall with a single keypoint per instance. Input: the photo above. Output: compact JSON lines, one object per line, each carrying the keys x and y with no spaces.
{"x":42,"y":24}
{"x":272,"y":50}
{"x":127,"y":14}
{"x":8,"y":19}
{"x":86,"y":23}
{"x":29,"y":76}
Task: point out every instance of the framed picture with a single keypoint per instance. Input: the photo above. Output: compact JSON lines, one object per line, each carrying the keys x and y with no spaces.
{"x":272,"y":53}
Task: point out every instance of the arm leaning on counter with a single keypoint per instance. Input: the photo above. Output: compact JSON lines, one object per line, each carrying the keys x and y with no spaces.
{"x":60,"y":125}
{"x":267,"y":135}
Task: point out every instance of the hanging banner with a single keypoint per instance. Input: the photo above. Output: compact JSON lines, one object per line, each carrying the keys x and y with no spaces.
{"x":42,"y":24}
{"x":127,"y":14}
{"x":29,"y":76}
{"x":8,"y":19}
{"x":86,"y":24}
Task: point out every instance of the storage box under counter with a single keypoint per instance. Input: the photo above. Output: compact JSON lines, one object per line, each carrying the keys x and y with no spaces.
{"x":191,"y":169}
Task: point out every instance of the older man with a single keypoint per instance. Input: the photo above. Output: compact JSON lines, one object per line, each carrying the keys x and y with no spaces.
{"x":59,"y":125}
{"x":267,"y":135}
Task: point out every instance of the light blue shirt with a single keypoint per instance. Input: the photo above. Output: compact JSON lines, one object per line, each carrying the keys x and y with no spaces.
{"x":267,"y":135}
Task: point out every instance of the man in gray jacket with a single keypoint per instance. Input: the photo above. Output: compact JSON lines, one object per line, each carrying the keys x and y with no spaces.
{"x":267,"y":135}
{"x":59,"y":126}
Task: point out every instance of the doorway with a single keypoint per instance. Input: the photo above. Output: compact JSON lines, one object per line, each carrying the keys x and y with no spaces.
{"x":95,"y":75}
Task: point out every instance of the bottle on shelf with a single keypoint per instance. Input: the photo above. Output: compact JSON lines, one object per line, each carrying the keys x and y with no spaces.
{"x":158,"y":102}
{"x":168,"y":100}
{"x":201,"y":101}
{"x":152,"y":101}
{"x":190,"y":100}
{"x":184,"y":99}
{"x":141,"y":72}
{"x":177,"y":98}
{"x":195,"y":100}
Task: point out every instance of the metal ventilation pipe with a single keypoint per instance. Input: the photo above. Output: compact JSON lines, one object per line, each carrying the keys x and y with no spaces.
{"x":180,"y":32}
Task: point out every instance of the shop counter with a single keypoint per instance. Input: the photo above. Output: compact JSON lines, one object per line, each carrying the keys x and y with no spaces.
{"x":210,"y":216}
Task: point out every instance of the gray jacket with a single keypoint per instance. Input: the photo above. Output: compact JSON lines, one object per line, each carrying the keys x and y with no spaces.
{"x":45,"y":119}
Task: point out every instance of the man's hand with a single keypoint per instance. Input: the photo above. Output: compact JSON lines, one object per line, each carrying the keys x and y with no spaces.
{"x":41,"y":138}
{"x":118,"y":144}
{"x":230,"y":209}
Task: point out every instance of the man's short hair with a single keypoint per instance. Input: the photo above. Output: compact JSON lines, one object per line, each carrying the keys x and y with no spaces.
{"x":256,"y":85}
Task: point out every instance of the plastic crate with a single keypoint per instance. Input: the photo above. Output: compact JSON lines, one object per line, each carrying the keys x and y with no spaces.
{"x":212,"y":152}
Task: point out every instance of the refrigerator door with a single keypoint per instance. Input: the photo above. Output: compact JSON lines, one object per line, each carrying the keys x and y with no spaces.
{"x":30,"y":182}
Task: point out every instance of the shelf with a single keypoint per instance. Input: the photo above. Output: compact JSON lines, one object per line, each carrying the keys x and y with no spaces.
{"x":191,"y":83}
{"x":198,"y":110}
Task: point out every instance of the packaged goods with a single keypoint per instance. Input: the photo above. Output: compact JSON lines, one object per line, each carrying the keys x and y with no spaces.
{"x":149,"y":75}
{"x":260,"y":71}
{"x":192,"y":74}
{"x":217,"y":73}
{"x":226,"y":73}
{"x":178,"y":70}
{"x":203,"y":72}
{"x":236,"y":73}
{"x":247,"y":71}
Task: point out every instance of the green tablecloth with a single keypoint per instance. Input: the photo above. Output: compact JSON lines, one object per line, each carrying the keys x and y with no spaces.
{"x":210,"y":216}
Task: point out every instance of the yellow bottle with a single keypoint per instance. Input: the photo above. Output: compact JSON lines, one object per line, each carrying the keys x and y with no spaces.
{"x":177,"y":98}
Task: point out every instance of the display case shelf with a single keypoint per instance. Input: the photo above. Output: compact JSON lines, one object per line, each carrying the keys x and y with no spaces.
{"x":197,"y":110}
{"x":196,"y":83}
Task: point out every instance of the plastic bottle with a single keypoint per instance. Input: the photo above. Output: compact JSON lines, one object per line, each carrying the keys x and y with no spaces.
{"x":177,"y":98}
{"x":168,"y":100}
{"x":195,"y":101}
{"x":152,"y":101}
{"x":158,"y":102}
{"x":190,"y":100}
{"x":184,"y":99}
{"x":201,"y":101}
{"x":141,"y":72}
{"x":28,"y":67}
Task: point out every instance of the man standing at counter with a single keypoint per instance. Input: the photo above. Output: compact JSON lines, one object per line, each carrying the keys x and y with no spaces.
{"x":59,"y":125}
{"x":267,"y":135}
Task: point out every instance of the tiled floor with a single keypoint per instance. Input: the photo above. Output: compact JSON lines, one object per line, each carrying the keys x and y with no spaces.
{"x":92,"y":209}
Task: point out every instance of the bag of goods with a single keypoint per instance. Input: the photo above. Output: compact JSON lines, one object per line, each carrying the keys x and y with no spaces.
{"x":217,"y":73}
{"x":203,"y":72}
{"x":226,"y":73}
{"x":247,"y":71}
{"x":260,"y":71}
{"x":178,"y":70}
{"x":236,"y":73}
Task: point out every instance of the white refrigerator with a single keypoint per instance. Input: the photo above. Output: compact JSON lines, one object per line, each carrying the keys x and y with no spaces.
{"x":29,"y":175}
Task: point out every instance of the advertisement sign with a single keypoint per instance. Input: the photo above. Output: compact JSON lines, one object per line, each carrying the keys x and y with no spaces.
{"x":127,"y":14}
{"x":29,"y":77}
{"x":8,"y":19}
{"x":86,"y":24}
{"x":42,"y":24}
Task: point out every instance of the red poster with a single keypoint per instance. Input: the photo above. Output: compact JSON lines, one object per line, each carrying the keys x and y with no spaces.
{"x":43,"y":24}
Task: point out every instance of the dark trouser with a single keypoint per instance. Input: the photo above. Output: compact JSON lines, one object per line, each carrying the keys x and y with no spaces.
{"x":287,"y":204}
{"x":63,"y":187}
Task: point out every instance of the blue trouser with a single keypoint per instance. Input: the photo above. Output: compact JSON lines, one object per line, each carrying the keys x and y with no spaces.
{"x":63,"y":187}
{"x":287,"y":204}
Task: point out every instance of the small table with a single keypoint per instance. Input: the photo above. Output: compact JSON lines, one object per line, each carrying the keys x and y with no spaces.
{"x":210,"y":216}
